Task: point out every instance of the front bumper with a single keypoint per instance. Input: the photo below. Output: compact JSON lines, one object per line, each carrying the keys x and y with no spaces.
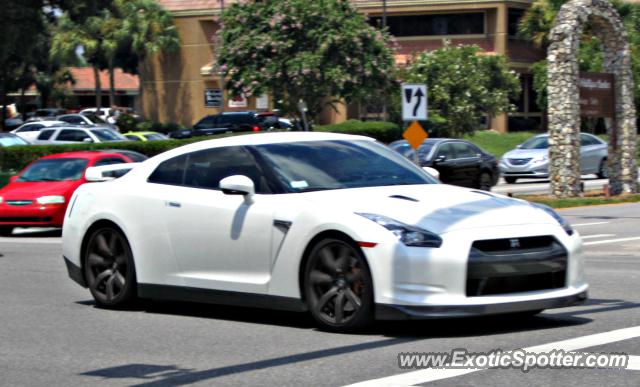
{"x":33,"y":215}
{"x":404,"y":312}
{"x":529,"y":170}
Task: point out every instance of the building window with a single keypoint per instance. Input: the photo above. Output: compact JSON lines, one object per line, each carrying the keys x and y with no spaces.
{"x":515,"y":15}
{"x":434,"y":24}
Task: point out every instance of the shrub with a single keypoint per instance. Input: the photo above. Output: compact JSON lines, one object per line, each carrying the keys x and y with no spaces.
{"x":126,"y":123}
{"x":382,"y":131}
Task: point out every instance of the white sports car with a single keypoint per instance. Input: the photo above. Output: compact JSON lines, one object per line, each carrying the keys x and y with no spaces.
{"x":336,"y":225}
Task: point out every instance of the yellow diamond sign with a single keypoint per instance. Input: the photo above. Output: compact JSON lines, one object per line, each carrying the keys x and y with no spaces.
{"x":415,"y":135}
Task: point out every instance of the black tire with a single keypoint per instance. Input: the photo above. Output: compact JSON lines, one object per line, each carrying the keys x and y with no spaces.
{"x":6,"y":230}
{"x":109,"y":269}
{"x":338,"y":286}
{"x":510,"y":180}
{"x":485,"y":181}
{"x":603,"y":171}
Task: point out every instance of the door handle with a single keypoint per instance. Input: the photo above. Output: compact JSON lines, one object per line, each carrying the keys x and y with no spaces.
{"x":173,"y":204}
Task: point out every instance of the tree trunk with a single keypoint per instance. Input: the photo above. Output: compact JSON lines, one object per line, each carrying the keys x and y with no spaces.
{"x":96,"y":75}
{"x":112,"y":84}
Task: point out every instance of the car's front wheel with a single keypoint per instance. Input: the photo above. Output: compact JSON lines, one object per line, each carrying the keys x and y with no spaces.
{"x":338,"y":285}
{"x":109,"y":268}
{"x":484,"y":181}
{"x":603,"y":171}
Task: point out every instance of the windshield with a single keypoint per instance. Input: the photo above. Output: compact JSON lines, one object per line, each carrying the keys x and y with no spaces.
{"x":54,"y":170}
{"x":108,"y":135}
{"x":325,"y":165}
{"x":94,"y":118}
{"x":154,"y":136}
{"x":11,"y":141}
{"x":536,"y":143}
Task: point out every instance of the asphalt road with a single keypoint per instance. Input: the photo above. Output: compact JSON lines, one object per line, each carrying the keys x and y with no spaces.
{"x":52,"y":334}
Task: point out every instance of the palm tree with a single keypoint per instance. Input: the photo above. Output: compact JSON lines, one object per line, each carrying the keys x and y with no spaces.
{"x":146,"y":29}
{"x":77,"y":44}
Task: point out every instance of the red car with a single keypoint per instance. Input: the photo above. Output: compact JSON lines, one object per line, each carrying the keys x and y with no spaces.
{"x":38,"y":196}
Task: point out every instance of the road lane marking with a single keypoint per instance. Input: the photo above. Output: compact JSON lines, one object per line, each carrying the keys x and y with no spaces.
{"x":611,"y":241}
{"x":589,"y":224}
{"x":597,"y":236}
{"x":430,"y":375}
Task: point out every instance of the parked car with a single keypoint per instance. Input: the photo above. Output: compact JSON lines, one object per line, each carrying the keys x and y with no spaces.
{"x":103,"y":114}
{"x":88,"y":119}
{"x":10,"y":139}
{"x":134,"y":156}
{"x":145,"y":136}
{"x":531,"y":159}
{"x":31,"y":130}
{"x":46,"y":114}
{"x":459,"y":162}
{"x":13,"y":123}
{"x":271,"y":121}
{"x":38,"y":196}
{"x":77,"y":134}
{"x":336,"y":225}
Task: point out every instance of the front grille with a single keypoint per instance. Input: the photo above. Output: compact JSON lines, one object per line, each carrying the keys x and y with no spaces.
{"x":519,"y":161}
{"x":515,"y":265}
{"x":19,"y":202}
{"x":27,"y":219}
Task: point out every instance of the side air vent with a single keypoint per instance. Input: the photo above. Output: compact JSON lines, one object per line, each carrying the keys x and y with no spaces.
{"x":401,"y":197}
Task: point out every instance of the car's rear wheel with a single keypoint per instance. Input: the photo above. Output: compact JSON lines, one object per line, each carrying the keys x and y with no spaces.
{"x":510,"y":180}
{"x":6,"y":230}
{"x":109,"y":269}
{"x":603,"y":171}
{"x":484,"y":181}
{"x":338,"y":286}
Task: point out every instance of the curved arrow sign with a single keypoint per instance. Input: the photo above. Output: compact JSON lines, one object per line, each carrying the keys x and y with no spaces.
{"x":414,"y":102}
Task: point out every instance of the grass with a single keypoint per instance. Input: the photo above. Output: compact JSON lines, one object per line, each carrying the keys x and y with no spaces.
{"x":496,"y":143}
{"x":589,"y":199}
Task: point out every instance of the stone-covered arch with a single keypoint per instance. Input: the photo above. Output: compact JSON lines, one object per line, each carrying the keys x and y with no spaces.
{"x":563,"y":97}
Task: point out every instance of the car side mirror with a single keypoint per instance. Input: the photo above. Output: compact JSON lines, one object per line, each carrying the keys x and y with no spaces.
{"x":87,"y":140}
{"x":238,"y":185}
{"x":432,"y":172}
{"x":13,"y":178}
{"x":440,"y":159}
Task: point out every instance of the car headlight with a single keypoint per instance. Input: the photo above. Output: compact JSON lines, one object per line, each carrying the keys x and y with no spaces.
{"x":407,"y":234}
{"x":562,"y":221}
{"x":51,"y":199}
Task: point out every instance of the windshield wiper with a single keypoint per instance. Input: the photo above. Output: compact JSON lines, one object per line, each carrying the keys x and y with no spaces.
{"x":312,"y":189}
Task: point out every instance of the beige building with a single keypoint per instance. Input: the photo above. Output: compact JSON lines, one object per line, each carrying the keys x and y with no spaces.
{"x":183,"y":87}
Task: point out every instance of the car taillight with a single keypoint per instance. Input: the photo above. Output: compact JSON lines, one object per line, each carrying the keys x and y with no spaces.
{"x":256,"y":128}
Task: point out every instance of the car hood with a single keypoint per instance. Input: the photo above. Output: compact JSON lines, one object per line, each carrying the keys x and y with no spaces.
{"x":34,"y":190}
{"x":525,"y":153}
{"x":438,"y":208}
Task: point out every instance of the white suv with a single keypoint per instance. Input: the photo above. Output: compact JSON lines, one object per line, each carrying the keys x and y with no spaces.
{"x":31,"y":130}
{"x":70,"y":135}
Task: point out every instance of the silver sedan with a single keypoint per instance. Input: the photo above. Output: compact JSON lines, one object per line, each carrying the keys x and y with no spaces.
{"x":531,"y":159}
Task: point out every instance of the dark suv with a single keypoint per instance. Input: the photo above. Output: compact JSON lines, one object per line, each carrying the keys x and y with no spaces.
{"x":228,"y":122}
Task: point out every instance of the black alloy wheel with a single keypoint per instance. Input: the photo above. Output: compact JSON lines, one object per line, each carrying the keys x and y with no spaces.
{"x":338,"y":286}
{"x":109,"y":269}
{"x":484,"y":182}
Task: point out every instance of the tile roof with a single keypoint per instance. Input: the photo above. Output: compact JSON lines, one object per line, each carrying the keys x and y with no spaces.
{"x":85,"y":80}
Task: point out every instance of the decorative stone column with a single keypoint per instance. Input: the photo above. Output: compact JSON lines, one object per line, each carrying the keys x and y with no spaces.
{"x":564,"y":104}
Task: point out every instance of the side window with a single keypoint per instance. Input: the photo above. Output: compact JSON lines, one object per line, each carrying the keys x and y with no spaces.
{"x":170,"y":171}
{"x":45,"y":134}
{"x":72,"y":135}
{"x":132,"y":137}
{"x":207,"y":122}
{"x":586,"y":140}
{"x":73,"y":120}
{"x":463,"y":150}
{"x":446,"y":150}
{"x":206,"y":168}
{"x":109,"y":161}
{"x":31,"y":128}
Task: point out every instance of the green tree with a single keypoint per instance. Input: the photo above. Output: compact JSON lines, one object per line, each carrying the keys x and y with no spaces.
{"x":536,"y":26}
{"x":320,"y":52}
{"x":464,"y":84}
